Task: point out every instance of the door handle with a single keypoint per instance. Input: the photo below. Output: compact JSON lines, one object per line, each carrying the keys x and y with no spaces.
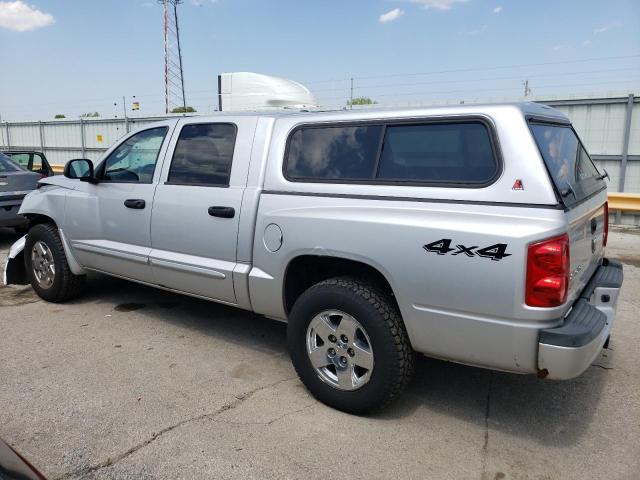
{"x":594,"y":225}
{"x":222,"y":212}
{"x":135,"y":203}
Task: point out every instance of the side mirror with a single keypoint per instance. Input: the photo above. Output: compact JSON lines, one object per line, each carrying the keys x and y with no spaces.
{"x":79,"y":169}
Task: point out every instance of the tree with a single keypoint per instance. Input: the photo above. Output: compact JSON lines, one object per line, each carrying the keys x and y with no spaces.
{"x":90,"y":115}
{"x":183,"y":110}
{"x":59,"y":115}
{"x":361,"y":101}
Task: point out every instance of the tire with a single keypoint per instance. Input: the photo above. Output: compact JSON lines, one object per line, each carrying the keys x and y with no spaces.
{"x":381,"y":332}
{"x":60,"y":284}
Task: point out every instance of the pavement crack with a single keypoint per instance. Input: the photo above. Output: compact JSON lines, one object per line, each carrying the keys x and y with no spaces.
{"x":485,"y":445}
{"x":239,"y":399}
{"x":277,"y":419}
{"x":601,"y":366}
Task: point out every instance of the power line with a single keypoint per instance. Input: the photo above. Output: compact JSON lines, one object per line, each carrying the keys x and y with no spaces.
{"x":154,"y":98}
{"x":476,"y":79}
{"x":461,"y":70}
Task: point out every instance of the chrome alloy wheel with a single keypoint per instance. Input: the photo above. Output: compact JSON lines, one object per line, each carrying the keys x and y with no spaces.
{"x":44,"y":269}
{"x":340,"y":350}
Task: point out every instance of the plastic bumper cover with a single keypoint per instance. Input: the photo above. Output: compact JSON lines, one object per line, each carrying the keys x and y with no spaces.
{"x":567,"y":351}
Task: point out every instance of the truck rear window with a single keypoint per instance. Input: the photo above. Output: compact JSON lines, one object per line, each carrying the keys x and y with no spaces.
{"x":424,"y":153}
{"x":574,"y":174}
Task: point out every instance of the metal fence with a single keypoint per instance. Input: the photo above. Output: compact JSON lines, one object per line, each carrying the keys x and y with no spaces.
{"x":62,"y":140}
{"x":610,"y":128}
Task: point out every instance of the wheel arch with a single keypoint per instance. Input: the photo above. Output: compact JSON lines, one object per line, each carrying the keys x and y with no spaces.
{"x":40,"y":218}
{"x":15,"y":270}
{"x":305,"y":270}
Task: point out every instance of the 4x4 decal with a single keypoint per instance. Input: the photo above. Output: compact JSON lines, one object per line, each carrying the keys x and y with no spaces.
{"x":495,"y":252}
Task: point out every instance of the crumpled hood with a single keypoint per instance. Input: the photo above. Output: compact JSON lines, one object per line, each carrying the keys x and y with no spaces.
{"x":60,"y":181}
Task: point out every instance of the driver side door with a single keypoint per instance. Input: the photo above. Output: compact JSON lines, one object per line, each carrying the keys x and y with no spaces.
{"x":108,"y":223}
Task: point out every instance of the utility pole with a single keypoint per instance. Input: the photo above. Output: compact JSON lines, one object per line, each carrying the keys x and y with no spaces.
{"x":527,"y":90}
{"x":351,"y":101}
{"x":124,"y":111}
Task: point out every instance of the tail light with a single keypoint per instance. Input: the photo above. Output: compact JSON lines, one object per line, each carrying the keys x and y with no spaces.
{"x":605,"y":235}
{"x":548,"y":272}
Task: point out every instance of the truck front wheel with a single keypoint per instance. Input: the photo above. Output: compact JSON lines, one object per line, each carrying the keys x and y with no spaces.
{"x":349,"y":345}
{"x":47,"y":267}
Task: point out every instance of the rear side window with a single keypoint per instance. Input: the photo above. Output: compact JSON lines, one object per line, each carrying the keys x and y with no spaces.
{"x":203,"y":155}
{"x":7,"y":165}
{"x":333,"y":153}
{"x":452,"y":153}
{"x":430,"y":153}
{"x":21,"y":159}
{"x":570,"y":167}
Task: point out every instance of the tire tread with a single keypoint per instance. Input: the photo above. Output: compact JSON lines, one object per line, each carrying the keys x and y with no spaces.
{"x":71,"y":285}
{"x":381,"y":301}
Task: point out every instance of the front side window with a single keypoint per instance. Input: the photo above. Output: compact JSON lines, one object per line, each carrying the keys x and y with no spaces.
{"x":570,"y":167}
{"x":428,"y":153}
{"x":134,"y":161}
{"x":203,"y":155}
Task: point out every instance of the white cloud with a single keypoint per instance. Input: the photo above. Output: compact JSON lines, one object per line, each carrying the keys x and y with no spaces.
{"x":477,"y":31}
{"x":438,"y":4}
{"x":586,"y":43}
{"x":606,"y":28}
{"x":561,"y":46}
{"x":20,"y":17}
{"x":391,"y":15}
{"x":497,"y":10}
{"x":200,"y":3}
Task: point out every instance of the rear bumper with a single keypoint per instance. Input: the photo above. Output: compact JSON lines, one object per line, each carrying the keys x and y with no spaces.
{"x":567,"y":351}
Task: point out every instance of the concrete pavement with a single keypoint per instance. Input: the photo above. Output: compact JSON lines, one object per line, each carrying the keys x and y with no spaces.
{"x":133,"y":382}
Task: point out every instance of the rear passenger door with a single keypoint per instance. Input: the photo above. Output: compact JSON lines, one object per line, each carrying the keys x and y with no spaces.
{"x":196,"y":208}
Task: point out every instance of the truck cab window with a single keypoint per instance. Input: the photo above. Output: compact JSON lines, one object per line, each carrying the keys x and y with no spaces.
{"x":203,"y":155}
{"x":134,"y":161}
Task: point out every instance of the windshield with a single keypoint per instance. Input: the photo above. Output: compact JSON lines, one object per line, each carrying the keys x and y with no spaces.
{"x":572,"y":170}
{"x":7,"y":165}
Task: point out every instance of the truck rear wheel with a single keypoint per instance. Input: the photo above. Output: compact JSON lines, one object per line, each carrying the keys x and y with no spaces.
{"x":349,"y":345}
{"x":47,"y":267}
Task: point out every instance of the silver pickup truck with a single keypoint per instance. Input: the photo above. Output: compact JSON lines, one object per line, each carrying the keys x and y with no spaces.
{"x":473,"y":234}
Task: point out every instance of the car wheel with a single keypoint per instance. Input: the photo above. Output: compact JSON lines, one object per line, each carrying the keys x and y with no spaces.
{"x":349,"y":346}
{"x":47,"y":267}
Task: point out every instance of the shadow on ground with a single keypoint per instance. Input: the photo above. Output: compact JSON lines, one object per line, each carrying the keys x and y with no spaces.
{"x":7,"y":237}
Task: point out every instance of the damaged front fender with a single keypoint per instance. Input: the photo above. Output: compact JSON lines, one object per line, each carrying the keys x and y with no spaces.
{"x":14,"y":269}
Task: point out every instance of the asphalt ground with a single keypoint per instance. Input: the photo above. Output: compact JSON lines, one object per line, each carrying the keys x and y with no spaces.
{"x":133,"y":382}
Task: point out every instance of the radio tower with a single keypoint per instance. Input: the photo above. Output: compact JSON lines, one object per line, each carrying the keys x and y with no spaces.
{"x":173,"y":78}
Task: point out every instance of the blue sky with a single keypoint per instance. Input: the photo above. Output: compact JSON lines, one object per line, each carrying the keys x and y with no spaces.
{"x":69,"y":57}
